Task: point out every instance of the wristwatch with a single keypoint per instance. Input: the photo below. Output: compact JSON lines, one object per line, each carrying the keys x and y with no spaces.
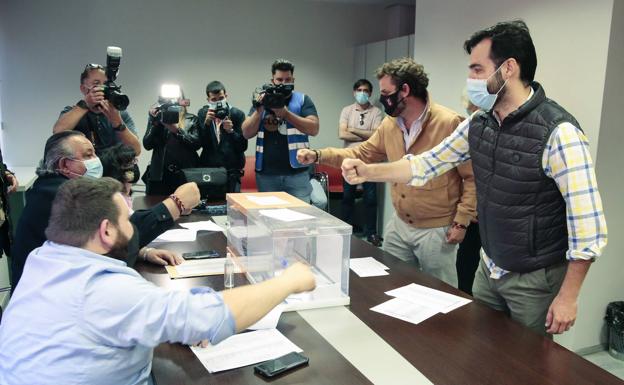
{"x":82,"y":104}
{"x":120,"y":128}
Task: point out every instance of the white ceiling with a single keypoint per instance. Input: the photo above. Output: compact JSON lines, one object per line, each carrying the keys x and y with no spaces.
{"x":380,"y":2}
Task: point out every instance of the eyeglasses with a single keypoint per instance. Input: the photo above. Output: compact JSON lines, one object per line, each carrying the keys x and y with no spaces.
{"x":361,"y":119}
{"x":92,"y":66}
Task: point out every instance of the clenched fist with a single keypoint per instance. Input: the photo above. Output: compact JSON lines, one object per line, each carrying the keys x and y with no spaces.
{"x":354,"y":171}
{"x":306,"y":156}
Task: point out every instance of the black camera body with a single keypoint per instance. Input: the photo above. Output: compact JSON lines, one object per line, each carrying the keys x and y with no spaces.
{"x":222,"y":110}
{"x":112,"y":91}
{"x":168,"y":112}
{"x":275,"y":95}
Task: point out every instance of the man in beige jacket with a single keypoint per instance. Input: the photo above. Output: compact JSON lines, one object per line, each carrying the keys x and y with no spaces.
{"x":430,"y":220}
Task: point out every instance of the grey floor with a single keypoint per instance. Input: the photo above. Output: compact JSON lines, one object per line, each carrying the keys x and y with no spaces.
{"x":608,"y":363}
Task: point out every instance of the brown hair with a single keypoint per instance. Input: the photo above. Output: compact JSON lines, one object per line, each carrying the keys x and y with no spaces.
{"x":406,"y":71}
{"x":79,"y":208}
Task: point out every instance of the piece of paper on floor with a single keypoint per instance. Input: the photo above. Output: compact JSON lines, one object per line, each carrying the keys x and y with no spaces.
{"x":245,"y":349}
{"x":426,"y":296}
{"x":270,"y":320}
{"x":202,"y":225}
{"x":266,"y":200}
{"x":367,"y":267}
{"x":405,"y":310}
{"x":285,"y":215}
{"x":177,"y":235}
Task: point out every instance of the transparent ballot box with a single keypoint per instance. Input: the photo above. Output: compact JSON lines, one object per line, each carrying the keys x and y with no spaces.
{"x":268,"y":232}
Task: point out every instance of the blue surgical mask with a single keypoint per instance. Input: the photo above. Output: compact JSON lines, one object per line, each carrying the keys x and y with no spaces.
{"x":478,"y":93}
{"x":94,"y":168}
{"x":361,"y":97}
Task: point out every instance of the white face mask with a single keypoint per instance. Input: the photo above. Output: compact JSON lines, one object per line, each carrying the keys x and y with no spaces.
{"x":361,"y":97}
{"x":94,"y":168}
{"x":478,"y":93}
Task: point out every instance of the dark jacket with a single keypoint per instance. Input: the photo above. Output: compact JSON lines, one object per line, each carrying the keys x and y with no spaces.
{"x":5,"y":228}
{"x":171,"y":151}
{"x":31,"y":226}
{"x":522,"y":215}
{"x":229,"y":152}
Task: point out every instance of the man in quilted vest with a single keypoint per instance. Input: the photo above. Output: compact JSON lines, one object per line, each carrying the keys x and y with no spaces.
{"x":540,"y":212}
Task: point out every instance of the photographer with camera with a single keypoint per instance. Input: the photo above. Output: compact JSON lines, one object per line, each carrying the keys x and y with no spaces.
{"x":172,"y":136}
{"x":101,"y":114}
{"x":221,"y":136}
{"x":282,"y":119}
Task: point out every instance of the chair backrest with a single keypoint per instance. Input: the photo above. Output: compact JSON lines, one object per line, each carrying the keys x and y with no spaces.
{"x":248,"y":181}
{"x":334,"y":176}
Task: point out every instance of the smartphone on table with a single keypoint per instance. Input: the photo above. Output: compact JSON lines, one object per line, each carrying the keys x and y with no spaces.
{"x":204,"y":254}
{"x":281,"y":364}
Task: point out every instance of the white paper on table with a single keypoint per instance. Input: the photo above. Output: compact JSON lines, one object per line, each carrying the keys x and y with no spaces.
{"x":270,"y":320}
{"x":405,"y":310}
{"x":177,"y":235}
{"x":221,"y":221}
{"x":368,"y":267}
{"x":202,"y":225}
{"x":425,"y":296}
{"x":197,"y":268}
{"x":245,"y":349}
{"x":285,"y":215}
{"x":266,"y":200}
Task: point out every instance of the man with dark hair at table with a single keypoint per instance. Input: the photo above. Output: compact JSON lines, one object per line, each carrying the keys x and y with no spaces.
{"x":96,"y":117}
{"x":280,"y":132}
{"x":540,"y":212}
{"x":82,"y":316}
{"x":70,"y":155}
{"x":221,"y":135}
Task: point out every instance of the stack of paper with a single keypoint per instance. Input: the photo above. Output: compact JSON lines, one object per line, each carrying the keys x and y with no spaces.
{"x":245,"y":349}
{"x":367,"y":267}
{"x":202,"y":225}
{"x":415,"y":303}
{"x":426,"y":296}
{"x":177,"y":235}
{"x":197,"y":268}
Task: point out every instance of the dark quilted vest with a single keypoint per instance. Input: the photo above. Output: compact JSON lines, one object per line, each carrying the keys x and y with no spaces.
{"x":522,"y":215}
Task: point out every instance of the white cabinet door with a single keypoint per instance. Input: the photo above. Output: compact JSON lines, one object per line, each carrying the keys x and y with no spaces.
{"x":397,"y":48}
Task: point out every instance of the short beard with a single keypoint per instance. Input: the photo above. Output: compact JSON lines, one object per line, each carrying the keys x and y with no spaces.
{"x":499,"y":87}
{"x":399,"y":108}
{"x":120,"y":248}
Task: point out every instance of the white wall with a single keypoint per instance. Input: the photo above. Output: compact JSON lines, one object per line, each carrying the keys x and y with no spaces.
{"x":571,"y":38}
{"x":572,"y":42}
{"x":45,"y":47}
{"x":606,"y":278}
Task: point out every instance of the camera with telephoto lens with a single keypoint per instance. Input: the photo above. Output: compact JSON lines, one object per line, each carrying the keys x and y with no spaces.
{"x":275,"y":95}
{"x":171,"y":104}
{"x":112,"y":92}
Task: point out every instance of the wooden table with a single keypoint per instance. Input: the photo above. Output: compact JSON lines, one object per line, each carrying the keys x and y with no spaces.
{"x":470,"y":345}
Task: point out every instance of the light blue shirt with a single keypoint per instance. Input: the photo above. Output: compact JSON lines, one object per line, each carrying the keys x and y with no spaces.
{"x":77,"y":317}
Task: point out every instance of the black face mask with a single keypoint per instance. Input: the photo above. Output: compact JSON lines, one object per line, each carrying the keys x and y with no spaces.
{"x":131,"y":175}
{"x":391,"y":102}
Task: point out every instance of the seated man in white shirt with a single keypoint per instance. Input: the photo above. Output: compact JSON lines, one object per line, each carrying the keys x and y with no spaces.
{"x":81,"y":316}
